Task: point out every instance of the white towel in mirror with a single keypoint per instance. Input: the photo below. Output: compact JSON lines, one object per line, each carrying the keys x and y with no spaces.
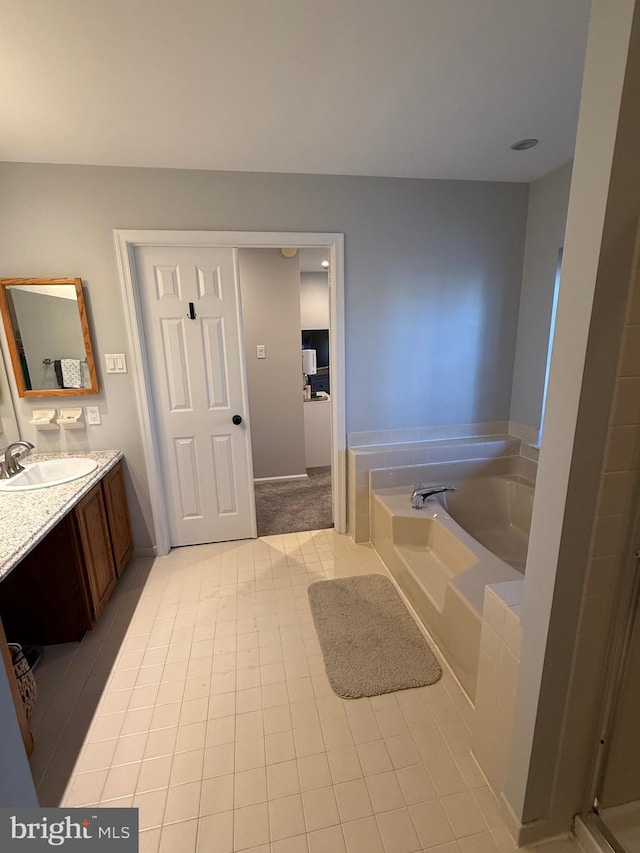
{"x":71,"y":372}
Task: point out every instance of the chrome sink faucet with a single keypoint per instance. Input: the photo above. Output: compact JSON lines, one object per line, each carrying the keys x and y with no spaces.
{"x":16,"y":451}
{"x":421,"y":493}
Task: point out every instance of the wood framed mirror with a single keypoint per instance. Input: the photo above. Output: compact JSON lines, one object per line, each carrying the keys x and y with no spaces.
{"x":45,"y":321}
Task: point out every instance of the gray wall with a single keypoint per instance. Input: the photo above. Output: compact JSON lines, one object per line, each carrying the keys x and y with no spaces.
{"x":548,"y":202}
{"x":270,"y":288}
{"x":432,"y":281}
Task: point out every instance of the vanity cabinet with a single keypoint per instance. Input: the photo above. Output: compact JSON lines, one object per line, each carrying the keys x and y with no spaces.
{"x":115,"y":497}
{"x":97,"y":551}
{"x":59,"y":589}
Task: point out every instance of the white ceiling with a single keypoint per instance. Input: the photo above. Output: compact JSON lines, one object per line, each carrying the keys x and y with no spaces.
{"x":404,"y":88}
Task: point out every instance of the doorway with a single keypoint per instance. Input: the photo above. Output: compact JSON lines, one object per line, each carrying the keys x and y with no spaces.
{"x":286,"y":323}
{"x":127,"y":243}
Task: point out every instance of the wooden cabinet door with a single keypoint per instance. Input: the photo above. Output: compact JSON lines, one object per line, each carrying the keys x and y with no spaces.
{"x":91,"y":516}
{"x":115,"y":498}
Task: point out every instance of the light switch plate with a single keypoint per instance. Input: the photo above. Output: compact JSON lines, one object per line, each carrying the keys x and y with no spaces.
{"x":116,"y":362}
{"x":261,"y":351}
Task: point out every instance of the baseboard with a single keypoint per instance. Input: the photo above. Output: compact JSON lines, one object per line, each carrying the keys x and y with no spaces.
{"x":144,"y":553}
{"x":535,"y":832}
{"x":304,"y":476}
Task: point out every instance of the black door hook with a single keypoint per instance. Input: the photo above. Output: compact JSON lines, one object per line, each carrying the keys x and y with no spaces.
{"x":192,"y":312}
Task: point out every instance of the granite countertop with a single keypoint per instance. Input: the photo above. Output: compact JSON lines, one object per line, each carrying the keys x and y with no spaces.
{"x":26,"y":517}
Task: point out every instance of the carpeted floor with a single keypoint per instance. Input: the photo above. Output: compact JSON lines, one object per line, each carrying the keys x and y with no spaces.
{"x":289,"y":506}
{"x":369,"y":640}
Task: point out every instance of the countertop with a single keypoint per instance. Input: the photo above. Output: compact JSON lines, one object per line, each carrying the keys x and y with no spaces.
{"x":26,"y":517}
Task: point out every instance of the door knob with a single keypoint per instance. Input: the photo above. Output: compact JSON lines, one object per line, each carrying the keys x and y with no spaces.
{"x":237,"y":419}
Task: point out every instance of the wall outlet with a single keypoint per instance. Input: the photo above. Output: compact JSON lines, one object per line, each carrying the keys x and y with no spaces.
{"x":93,"y":415}
{"x":261,"y":351}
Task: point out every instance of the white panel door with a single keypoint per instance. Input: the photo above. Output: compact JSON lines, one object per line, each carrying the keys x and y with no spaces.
{"x":197,"y":378}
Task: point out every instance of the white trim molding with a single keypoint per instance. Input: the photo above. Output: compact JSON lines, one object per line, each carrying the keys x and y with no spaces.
{"x":126,"y":243}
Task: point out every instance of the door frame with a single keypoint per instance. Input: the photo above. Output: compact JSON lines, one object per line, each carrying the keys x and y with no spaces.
{"x":126,"y":242}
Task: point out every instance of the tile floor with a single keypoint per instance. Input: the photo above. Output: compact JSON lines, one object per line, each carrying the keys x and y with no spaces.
{"x":200,"y":698}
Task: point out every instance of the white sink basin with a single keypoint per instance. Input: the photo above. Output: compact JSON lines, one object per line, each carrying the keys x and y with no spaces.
{"x":50,"y":472}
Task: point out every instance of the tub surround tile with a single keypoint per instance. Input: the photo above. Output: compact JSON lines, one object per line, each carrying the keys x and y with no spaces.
{"x":498,"y":665}
{"x":28,"y":516}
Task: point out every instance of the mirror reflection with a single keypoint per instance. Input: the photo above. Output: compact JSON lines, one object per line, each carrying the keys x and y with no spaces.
{"x":48,"y":336}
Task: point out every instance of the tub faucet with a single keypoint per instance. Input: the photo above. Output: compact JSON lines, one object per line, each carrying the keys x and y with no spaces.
{"x":13,"y":454}
{"x":421,"y":493}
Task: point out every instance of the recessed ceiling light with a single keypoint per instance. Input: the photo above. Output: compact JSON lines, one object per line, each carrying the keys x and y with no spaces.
{"x":523,"y":144}
{"x":324,"y":264}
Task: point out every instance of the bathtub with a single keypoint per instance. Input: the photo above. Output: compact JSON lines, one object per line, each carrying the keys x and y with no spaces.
{"x":443,"y":555}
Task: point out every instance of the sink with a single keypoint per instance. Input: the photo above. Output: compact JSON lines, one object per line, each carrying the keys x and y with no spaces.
{"x":49,"y":472}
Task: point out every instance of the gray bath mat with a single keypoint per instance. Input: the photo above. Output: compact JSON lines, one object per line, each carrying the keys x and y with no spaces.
{"x":370,"y":642}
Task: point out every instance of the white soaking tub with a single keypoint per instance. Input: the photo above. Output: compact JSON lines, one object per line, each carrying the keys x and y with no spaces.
{"x":444,"y":554}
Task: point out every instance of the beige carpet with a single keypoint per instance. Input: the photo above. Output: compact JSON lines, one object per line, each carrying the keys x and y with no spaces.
{"x":369,"y":640}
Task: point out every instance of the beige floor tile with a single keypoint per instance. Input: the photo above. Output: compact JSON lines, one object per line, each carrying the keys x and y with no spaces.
{"x":398,"y":832}
{"x":179,"y":836}
{"x":251,"y":826}
{"x":374,"y":757}
{"x":183,"y":802}
{"x":402,"y":751}
{"x":314,"y":772}
{"x":277,"y":719}
{"x":85,"y":788}
{"x":249,"y":725}
{"x":279,"y":747}
{"x":320,"y":808}
{"x":130,"y":748}
{"x":220,"y":731}
{"x":296,"y":844}
{"x":250,"y":787}
{"x":337,"y":733}
{"x":121,"y":781}
{"x":150,"y":807}
{"x":286,"y":817}
{"x":161,"y":742}
{"x":445,"y":776}
{"x":187,"y":767}
{"x":344,"y":764}
{"x":249,"y":754}
{"x":190,"y":737}
{"x":416,"y":784}
{"x":282,"y":779}
{"x":217,"y":795}
{"x":431,"y":823}
{"x":385,"y":792}
{"x":154,"y":773}
{"x":96,"y":756}
{"x":219,"y":715}
{"x":463,"y":813}
{"x":149,"y":841}
{"x":353,"y":800}
{"x":363,"y":836}
{"x":484,"y":842}
{"x":327,"y":840}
